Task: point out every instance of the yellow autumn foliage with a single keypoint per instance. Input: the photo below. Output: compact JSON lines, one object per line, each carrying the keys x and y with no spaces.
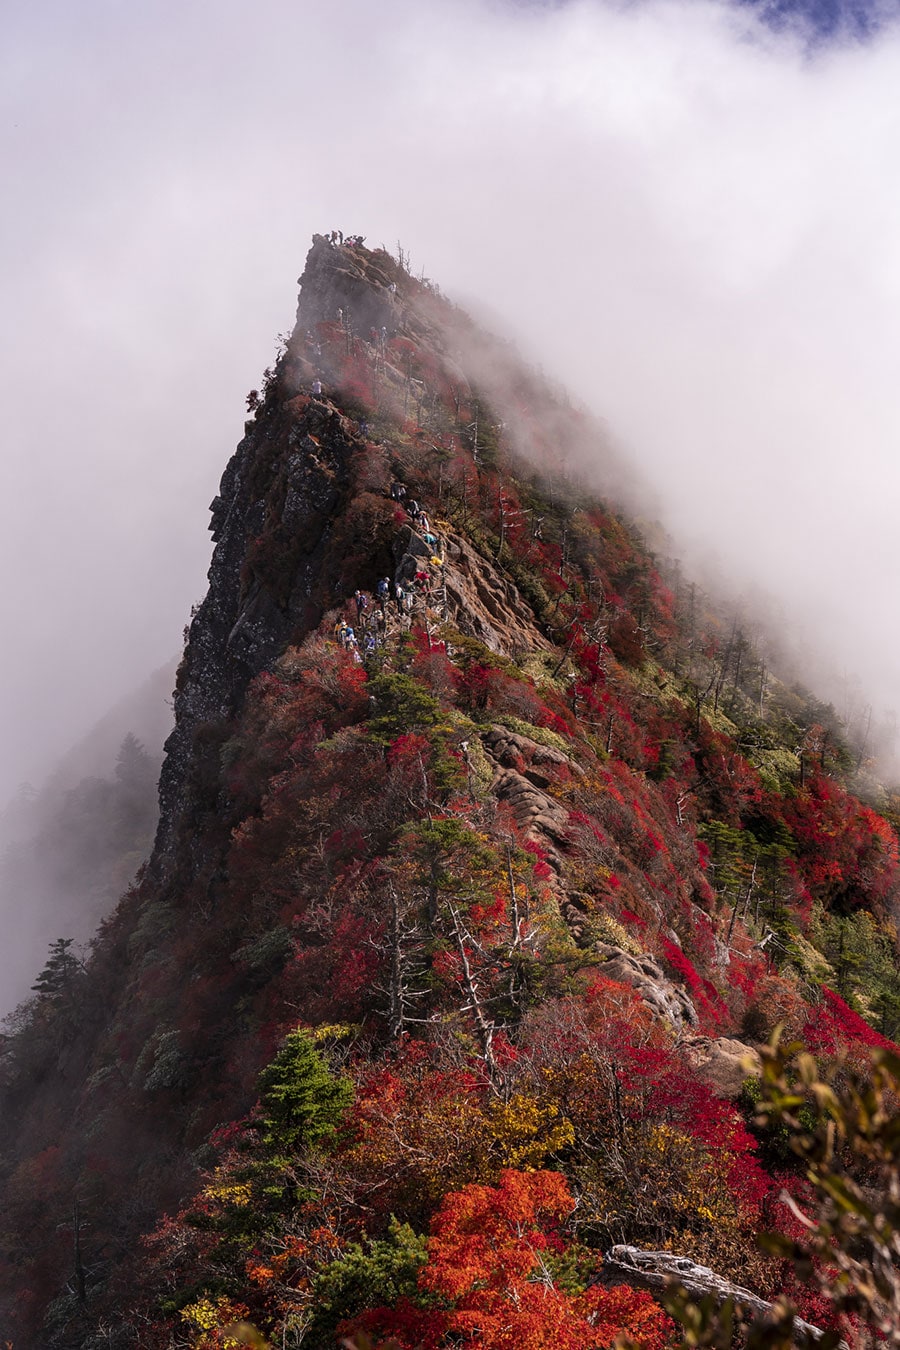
{"x":207,"y":1316}
{"x":526,"y":1131}
{"x":235,"y":1193}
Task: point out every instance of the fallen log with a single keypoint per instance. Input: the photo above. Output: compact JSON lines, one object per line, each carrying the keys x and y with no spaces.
{"x":658,"y":1272}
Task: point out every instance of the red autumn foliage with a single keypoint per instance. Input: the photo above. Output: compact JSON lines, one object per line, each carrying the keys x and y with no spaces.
{"x":847,"y":853}
{"x":834,"y":1027}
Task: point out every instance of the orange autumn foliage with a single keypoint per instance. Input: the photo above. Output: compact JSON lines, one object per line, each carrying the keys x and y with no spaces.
{"x":493,"y":1252}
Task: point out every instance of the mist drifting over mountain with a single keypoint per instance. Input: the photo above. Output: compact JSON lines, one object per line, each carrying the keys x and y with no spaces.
{"x":490,"y":853}
{"x":685,"y":212}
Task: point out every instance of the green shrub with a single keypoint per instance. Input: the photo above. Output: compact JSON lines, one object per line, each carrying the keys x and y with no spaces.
{"x":400,"y":704}
{"x":373,"y":1275}
{"x":302,"y":1100}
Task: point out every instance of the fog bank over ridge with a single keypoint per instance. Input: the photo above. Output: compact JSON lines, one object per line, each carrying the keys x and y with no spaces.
{"x":690,"y":220}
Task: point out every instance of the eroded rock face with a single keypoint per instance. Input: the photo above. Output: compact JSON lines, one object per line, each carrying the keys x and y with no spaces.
{"x":533,"y":809}
{"x":511,"y":749}
{"x":722,"y":1063}
{"x":345,"y":281}
{"x":574,"y":906}
{"x":470,"y":591}
{"x":485,"y":604}
{"x":666,"y":999}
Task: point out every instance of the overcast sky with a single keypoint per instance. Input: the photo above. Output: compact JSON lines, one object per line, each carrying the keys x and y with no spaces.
{"x":693,"y":220}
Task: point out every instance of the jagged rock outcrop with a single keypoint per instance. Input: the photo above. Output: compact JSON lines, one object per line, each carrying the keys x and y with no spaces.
{"x":574,"y":906}
{"x":645,"y":975}
{"x":277,"y":565}
{"x":523,"y":769}
{"x":470,"y":591}
{"x":353,"y":285}
{"x":272,"y":522}
{"x":485,"y":603}
{"x":536,"y":813}
{"x":659,"y":1271}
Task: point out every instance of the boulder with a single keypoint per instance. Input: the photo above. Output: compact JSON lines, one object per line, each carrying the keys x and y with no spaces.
{"x":723,"y":1064}
{"x":532,"y":808}
{"x":511,"y":750}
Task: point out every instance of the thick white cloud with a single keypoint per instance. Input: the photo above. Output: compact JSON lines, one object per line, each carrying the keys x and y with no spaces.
{"x":694,"y":222}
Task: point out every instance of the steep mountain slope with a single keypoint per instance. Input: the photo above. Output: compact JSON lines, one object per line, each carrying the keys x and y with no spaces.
{"x":528,"y":864}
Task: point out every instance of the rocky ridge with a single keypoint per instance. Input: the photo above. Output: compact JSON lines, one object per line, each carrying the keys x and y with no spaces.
{"x":290,"y":478}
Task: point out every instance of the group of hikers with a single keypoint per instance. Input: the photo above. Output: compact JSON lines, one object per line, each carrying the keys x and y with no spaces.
{"x":367,"y":636}
{"x":371,"y":621}
{"x":417,"y":515}
{"x":345,"y":635}
{"x":337,"y":238}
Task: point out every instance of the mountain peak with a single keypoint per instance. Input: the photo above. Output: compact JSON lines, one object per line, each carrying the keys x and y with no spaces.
{"x":488,"y":847}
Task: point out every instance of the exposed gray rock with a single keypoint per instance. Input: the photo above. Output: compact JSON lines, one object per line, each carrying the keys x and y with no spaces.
{"x":575,"y":908}
{"x":531,"y":808}
{"x":272,"y":574}
{"x":482,"y":601}
{"x":660,"y":1271}
{"x":343,"y":279}
{"x":411,"y":551}
{"x":260,"y":631}
{"x":667,"y":999}
{"x":511,"y":749}
{"x":248,"y":616}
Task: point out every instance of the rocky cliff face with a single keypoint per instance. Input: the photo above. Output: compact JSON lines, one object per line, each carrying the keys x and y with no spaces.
{"x":283,"y":484}
{"x":363,"y":289}
{"x":271,"y":523}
